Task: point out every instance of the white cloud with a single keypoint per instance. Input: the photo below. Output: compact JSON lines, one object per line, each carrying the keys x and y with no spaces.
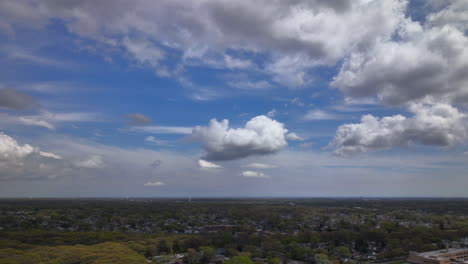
{"x":143,"y":51}
{"x":10,"y":149}
{"x":297,"y":101}
{"x":208,"y":165}
{"x":25,"y":161}
{"x":250,"y":85}
{"x":321,"y":115}
{"x":423,"y":61}
{"x":261,"y":135}
{"x":454,"y":14}
{"x":154,"y":183}
{"x":153,"y":140}
{"x":33,"y":121}
{"x":16,"y":53}
{"x":7,"y":120}
{"x":254,"y":174}
{"x":163,"y":129}
{"x":272,"y":113}
{"x":49,"y":155}
{"x":93,"y":162}
{"x":61,"y":117}
{"x":129,"y":168}
{"x":294,"y":137}
{"x":49,"y":120}
{"x":431,"y":124}
{"x":261,"y":166}
{"x":235,"y":63}
{"x":295,"y":35}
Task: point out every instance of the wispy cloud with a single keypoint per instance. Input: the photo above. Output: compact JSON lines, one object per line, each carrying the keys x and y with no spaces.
{"x":93,"y":162}
{"x":254,"y":174}
{"x":49,"y":120}
{"x":261,"y":166}
{"x":32,"y":121}
{"x":153,"y":140}
{"x":250,"y":85}
{"x":163,"y":129}
{"x":27,"y":55}
{"x":7,"y":120}
{"x":294,"y":137}
{"x":154,"y":183}
{"x":322,"y":115}
{"x":70,"y":116}
{"x":306,"y":144}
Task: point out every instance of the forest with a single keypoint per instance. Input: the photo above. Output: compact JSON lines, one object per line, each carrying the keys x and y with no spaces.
{"x":231,"y":231}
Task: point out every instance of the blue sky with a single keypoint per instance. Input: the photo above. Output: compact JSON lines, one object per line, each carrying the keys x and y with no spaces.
{"x":319,"y":98}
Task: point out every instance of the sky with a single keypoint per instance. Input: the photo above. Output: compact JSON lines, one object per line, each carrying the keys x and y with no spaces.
{"x":221,"y":98}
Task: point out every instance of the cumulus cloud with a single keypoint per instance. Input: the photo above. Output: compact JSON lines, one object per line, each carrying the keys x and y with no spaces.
{"x":261,"y":135}
{"x":294,"y":137}
{"x":423,"y":61}
{"x":294,"y":34}
{"x":25,"y":161}
{"x":93,"y":162}
{"x":434,"y":124}
{"x":10,"y":149}
{"x":254,"y":174}
{"x":261,"y":166}
{"x":154,"y":183}
{"x":392,"y":57}
{"x":137,"y":119}
{"x":12,"y":99}
{"x":208,"y":165}
{"x":454,"y":14}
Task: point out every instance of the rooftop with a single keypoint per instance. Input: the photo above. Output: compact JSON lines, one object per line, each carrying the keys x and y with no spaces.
{"x":438,"y":253}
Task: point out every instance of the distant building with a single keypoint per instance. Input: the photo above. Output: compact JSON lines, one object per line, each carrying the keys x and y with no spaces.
{"x":444,"y":256}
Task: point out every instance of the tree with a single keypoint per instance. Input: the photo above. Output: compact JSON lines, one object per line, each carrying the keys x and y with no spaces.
{"x":239,"y":260}
{"x":207,"y":253}
{"x":192,"y":256}
{"x":274,"y":260}
{"x":342,"y":251}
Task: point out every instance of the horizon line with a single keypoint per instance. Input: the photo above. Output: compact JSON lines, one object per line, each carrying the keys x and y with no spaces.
{"x":235,"y":197}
